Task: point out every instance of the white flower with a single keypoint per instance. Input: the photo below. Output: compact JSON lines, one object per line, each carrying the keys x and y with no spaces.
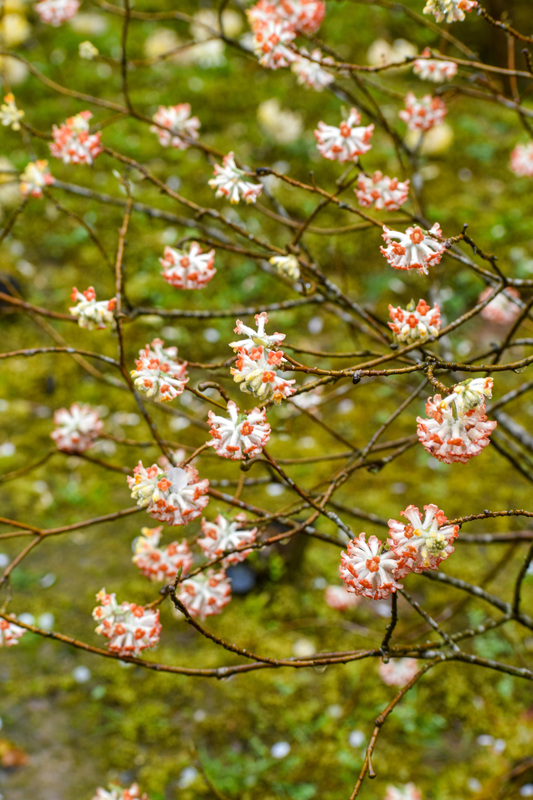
{"x":284,"y":126}
{"x":241,"y":435}
{"x":72,"y":141}
{"x":35,"y":177}
{"x":521,"y":160}
{"x":449,"y":10}
{"x":433,"y":69}
{"x":10,"y":115}
{"x":414,"y":249}
{"x":422,"y":544}
{"x":178,"y":123}
{"x":188,"y":269}
{"x":223,"y":535}
{"x":398,"y":671}
{"x":414,"y":324}
{"x":229,"y":182}
{"x":310,"y":72}
{"x":77,"y":428}
{"x":10,"y":633}
{"x":173,"y":495}
{"x":158,"y":374}
{"x":258,"y":337}
{"x":87,"y":50}
{"x":381,"y":192}
{"x":130,"y":628}
{"x":117,"y":793}
{"x":423,"y":114}
{"x":409,"y":792}
{"x":92,"y":313}
{"x":160,"y":563}
{"x":286,"y":265}
{"x":56,"y":12}
{"x":345,"y":143}
{"x":339,"y":598}
{"x":368,"y":570}
{"x":206,"y":594}
{"x":503,"y":309}
{"x":255,"y":373}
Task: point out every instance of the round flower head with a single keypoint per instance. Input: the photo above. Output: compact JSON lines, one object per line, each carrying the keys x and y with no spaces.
{"x":414,"y":323}
{"x":339,"y":598}
{"x":502,"y":310}
{"x":160,"y":563}
{"x":172,"y":495}
{"x":398,"y":671}
{"x":287,"y":266}
{"x":56,"y":12}
{"x":304,"y":16}
{"x":35,"y":177}
{"x":272,"y":41}
{"x":423,"y":543}
{"x":309,"y":71}
{"x":130,"y":628}
{"x":241,"y":435}
{"x":423,"y":114}
{"x":10,"y":633}
{"x":433,"y":69}
{"x":345,"y":143}
{"x":10,"y":115}
{"x":206,"y":594}
{"x":117,"y":793}
{"x":188,"y":269}
{"x":255,"y":372}
{"x":258,"y":337}
{"x":229,"y":182}
{"x":178,"y":123}
{"x":409,"y":792}
{"x":449,"y":11}
{"x":91,"y":313}
{"x":77,"y":428}
{"x":158,"y":374}
{"x":381,"y":192}
{"x":72,"y":141}
{"x":522,"y":160}
{"x":415,"y":249}
{"x":223,"y":535}
{"x":369,"y":570}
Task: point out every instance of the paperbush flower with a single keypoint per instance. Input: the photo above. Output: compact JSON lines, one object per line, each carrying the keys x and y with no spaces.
{"x":339,"y":598}
{"x":257,"y":337}
{"x":173,"y":495}
{"x":206,"y":594}
{"x":271,"y":40}
{"x":229,"y":182}
{"x":522,"y":160}
{"x":117,"y":793}
{"x":90,"y":312}
{"x":188,"y":269}
{"x":160,"y":563}
{"x":309,"y":72}
{"x":421,"y":544}
{"x":158,"y":374}
{"x":398,"y":671}
{"x":414,"y":323}
{"x":304,"y":16}
{"x":415,"y":249}
{"x":72,"y":141}
{"x":77,"y":428}
{"x":10,"y":633}
{"x":223,"y":535}
{"x":381,"y":192}
{"x":409,"y":792}
{"x":286,"y":265}
{"x":256,"y":374}
{"x":449,"y":11}
{"x":35,"y":177}
{"x":345,"y":143}
{"x":502,"y":310}
{"x":130,"y":628}
{"x":243,"y":434}
{"x":369,"y":570}
{"x":56,"y":12}
{"x":423,"y":114}
{"x":432,"y":69}
{"x":10,"y":115}
{"x":179,"y":124}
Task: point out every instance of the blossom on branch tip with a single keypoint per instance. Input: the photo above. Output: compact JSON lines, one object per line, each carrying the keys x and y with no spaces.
{"x":415,"y":249}
{"x":243,"y":434}
{"x":286,"y":265}
{"x":433,"y":69}
{"x":77,"y":428}
{"x":35,"y":177}
{"x":258,"y":337}
{"x":158,"y":374}
{"x":255,"y":372}
{"x":229,"y":182}
{"x":423,"y":114}
{"x":173,"y":495}
{"x":522,"y":160}
{"x":206,"y":594}
{"x":222,"y":535}
{"x":56,"y":12}
{"x":160,"y":563}
{"x":423,"y":543}
{"x":501,"y":310}
{"x":310,"y":72}
{"x":398,"y":671}
{"x":188,"y":269}
{"x":72,"y":141}
{"x":414,"y":323}
{"x":369,"y":570}
{"x":271,"y":40}
{"x":92,"y":313}
{"x":10,"y":633}
{"x":130,"y":628}
{"x":10,"y":115}
{"x":449,"y":10}
{"x":381,"y":192}
{"x":178,"y":123}
{"x":345,"y":143}
{"x":117,"y":793}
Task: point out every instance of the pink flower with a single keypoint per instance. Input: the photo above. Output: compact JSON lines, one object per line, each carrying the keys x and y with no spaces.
{"x":502,"y":310}
{"x":10,"y":633}
{"x":450,"y":11}
{"x":173,"y":495}
{"x":409,"y":792}
{"x":415,"y":249}
{"x":369,"y":570}
{"x":77,"y":428}
{"x":256,"y":374}
{"x":339,"y":598}
{"x":381,"y":192}
{"x":117,"y":793}
{"x":241,"y":435}
{"x":229,"y":182}
{"x":345,"y":143}
{"x":398,"y":671}
{"x":179,"y":125}
{"x":34,"y":178}
{"x":414,"y":324}
{"x":522,"y":160}
{"x":421,"y":544}
{"x":130,"y":628}
{"x":433,"y":69}
{"x":158,"y":374}
{"x":423,"y":114}
{"x":92,"y":313}
{"x":160,"y":563}
{"x":309,"y":71}
{"x":223,"y":535}
{"x":206,"y":594}
{"x":191,"y":269}
{"x":72,"y":141}
{"x":56,"y":12}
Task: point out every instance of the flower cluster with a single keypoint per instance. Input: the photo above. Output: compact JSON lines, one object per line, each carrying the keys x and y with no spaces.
{"x":286,"y":265}
{"x":158,"y":374}
{"x":457,"y":428}
{"x":368,"y":569}
{"x":381,"y":192}
{"x":339,"y":598}
{"x":188,"y":269}
{"x":56,"y":12}
{"x":35,"y":177}
{"x":92,"y":313}
{"x":423,"y":114}
{"x":229,"y":182}
{"x":223,"y":535}
{"x":255,"y":368}
{"x":433,"y":69}
{"x":206,"y":594}
{"x":243,"y":434}
{"x":275,"y":24}
{"x":409,"y":792}
{"x":10,"y":115}
{"x":415,"y":249}
{"x":414,"y":323}
{"x":117,"y":793}
{"x":398,"y":671}
{"x":10,"y":633}
{"x":502,"y":310}
{"x":178,"y":125}
{"x":160,"y":563}
{"x":346,"y":142}
{"x":173,"y":495}
{"x":522,"y":160}
{"x":449,"y":10}
{"x":72,"y":141}
{"x":130,"y":628}
{"x":77,"y":428}
{"x":309,"y":72}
